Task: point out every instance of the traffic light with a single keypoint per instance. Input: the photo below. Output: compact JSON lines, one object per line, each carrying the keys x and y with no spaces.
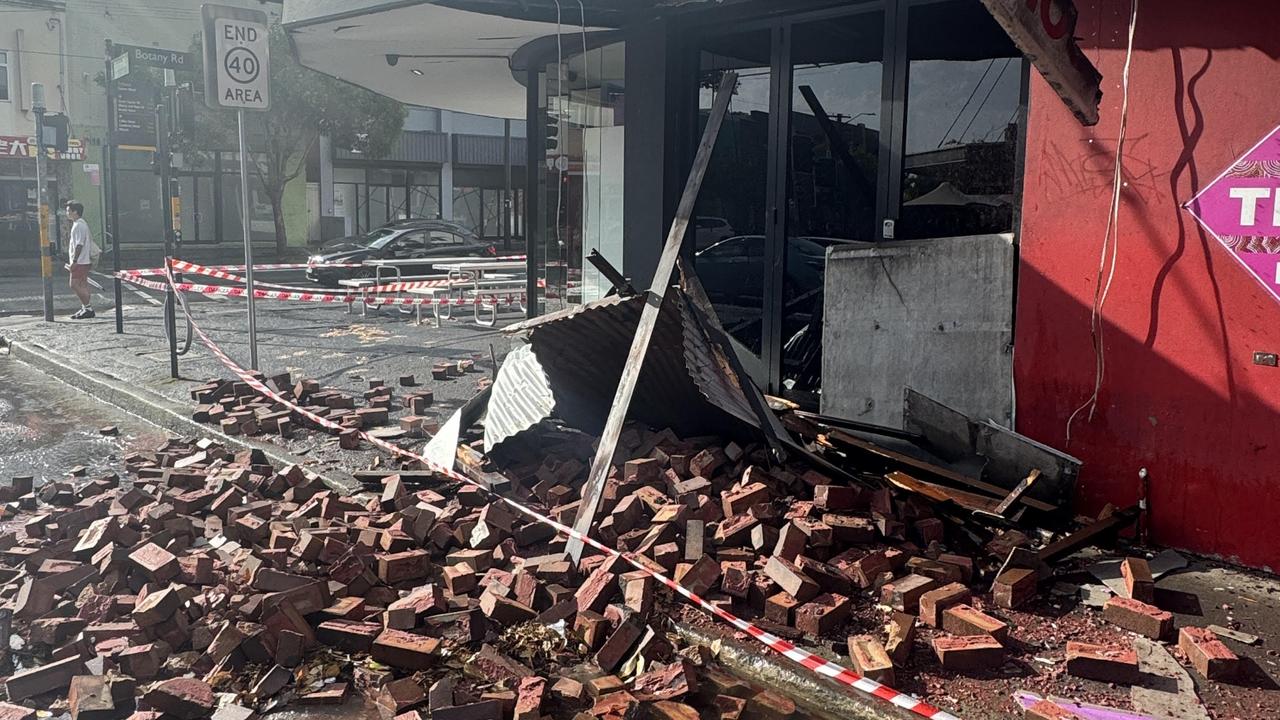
{"x":183,"y":120}
{"x":57,"y":128}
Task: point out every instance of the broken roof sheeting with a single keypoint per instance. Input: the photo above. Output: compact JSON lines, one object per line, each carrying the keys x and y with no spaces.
{"x":581,"y":351}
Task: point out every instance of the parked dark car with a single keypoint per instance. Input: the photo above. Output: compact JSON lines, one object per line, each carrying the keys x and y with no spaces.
{"x":404,"y":240}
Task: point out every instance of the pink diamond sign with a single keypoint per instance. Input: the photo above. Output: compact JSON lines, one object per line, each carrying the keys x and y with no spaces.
{"x":1241,"y":208}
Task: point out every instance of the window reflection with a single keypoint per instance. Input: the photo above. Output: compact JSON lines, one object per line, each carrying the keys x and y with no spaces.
{"x":963,"y":102}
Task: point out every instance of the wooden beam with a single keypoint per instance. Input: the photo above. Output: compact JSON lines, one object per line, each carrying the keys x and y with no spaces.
{"x":1086,"y":535}
{"x":848,"y":441}
{"x":649,"y":319}
{"x":1016,"y":493}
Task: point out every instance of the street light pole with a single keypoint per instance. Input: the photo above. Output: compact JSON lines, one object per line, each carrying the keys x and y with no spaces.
{"x":42,"y":206}
{"x":246,"y":219}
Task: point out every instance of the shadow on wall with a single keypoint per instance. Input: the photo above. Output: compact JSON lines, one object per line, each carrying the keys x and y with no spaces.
{"x":1211,"y":457}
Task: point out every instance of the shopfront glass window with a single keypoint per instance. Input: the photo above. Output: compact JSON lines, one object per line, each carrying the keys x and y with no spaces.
{"x":837,"y":75}
{"x":731,"y":212}
{"x":963,"y":106}
{"x":582,"y":189}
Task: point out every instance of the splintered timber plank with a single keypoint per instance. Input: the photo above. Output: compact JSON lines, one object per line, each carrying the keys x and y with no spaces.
{"x":847,"y":441}
{"x":648,"y":320}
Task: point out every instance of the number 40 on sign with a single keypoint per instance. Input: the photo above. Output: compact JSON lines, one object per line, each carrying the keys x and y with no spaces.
{"x":236,"y":46}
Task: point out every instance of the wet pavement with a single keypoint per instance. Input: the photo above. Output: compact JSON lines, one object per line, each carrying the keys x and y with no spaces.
{"x":47,"y":428}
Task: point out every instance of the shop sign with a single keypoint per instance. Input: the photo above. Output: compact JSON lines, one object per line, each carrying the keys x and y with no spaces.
{"x":25,"y":147}
{"x":1241,"y":208}
{"x":1044,"y":30}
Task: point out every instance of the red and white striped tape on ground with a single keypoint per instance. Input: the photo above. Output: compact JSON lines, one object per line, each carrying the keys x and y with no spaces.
{"x":814,"y":663}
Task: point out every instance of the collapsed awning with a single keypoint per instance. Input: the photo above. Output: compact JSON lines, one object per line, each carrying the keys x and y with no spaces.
{"x":421,"y":53}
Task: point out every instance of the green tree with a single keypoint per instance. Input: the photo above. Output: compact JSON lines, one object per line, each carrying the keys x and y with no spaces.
{"x":304,"y":105}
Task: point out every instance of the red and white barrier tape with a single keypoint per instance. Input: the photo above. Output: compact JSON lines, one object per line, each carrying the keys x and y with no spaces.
{"x":814,"y":663}
{"x":240,"y":268}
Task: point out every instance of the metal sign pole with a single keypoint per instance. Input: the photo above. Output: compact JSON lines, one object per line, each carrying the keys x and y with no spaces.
{"x":248,"y":244}
{"x":162,"y":155}
{"x":113,"y":226}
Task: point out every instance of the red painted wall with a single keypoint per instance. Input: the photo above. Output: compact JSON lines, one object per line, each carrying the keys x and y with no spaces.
{"x":1181,"y":396}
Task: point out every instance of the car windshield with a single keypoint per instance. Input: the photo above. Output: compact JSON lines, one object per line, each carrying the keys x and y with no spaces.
{"x":376,"y":239}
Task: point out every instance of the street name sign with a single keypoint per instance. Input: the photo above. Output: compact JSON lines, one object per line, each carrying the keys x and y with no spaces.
{"x":155,"y":57}
{"x":1241,"y":208}
{"x":237,"y":68}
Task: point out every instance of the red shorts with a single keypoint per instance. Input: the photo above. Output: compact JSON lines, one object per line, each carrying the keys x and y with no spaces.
{"x":80,"y":271}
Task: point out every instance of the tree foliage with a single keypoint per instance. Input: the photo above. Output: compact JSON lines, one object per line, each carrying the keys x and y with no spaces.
{"x":304,"y":105}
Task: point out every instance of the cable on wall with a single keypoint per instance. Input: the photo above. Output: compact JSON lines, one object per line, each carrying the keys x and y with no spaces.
{"x":1110,"y":240}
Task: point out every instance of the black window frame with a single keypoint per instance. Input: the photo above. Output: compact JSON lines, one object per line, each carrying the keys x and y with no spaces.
{"x":696,"y":27}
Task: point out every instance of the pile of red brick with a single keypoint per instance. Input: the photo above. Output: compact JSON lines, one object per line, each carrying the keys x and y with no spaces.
{"x":238,"y":410}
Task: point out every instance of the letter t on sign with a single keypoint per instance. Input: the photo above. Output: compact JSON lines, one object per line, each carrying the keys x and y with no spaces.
{"x":1249,"y":197}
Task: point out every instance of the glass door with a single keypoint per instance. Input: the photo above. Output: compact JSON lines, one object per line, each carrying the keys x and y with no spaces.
{"x":732,"y":218}
{"x":833,"y":155}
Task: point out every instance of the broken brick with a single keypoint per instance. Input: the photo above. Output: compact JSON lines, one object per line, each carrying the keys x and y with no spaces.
{"x":1208,"y":655}
{"x":183,"y":698}
{"x":823,"y":615}
{"x":791,"y":579}
{"x":870,"y":659}
{"x":1105,"y":663}
{"x":974,"y":652}
{"x":1138,"y":583}
{"x":965,"y":620}
{"x":935,"y":601}
{"x":1014,"y":587}
{"x":1139,"y":617}
{"x":904,"y":593}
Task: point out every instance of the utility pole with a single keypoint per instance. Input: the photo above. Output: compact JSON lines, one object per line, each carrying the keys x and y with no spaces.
{"x":42,"y":201}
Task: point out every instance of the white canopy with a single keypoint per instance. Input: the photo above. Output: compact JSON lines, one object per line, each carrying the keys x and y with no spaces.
{"x":419,"y":53}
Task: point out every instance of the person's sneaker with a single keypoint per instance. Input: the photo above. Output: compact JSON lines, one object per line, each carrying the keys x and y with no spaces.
{"x":78,"y":315}
{"x":87,"y":313}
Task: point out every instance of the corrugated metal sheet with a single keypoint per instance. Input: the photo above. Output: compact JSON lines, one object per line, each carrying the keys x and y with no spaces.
{"x":415,"y":146}
{"x":682,"y":386}
{"x":485,"y":150}
{"x":521,"y":397}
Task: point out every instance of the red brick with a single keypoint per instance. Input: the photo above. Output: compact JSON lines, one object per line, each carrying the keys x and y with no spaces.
{"x":399,"y":696}
{"x":1138,"y":583}
{"x":966,"y":620}
{"x":780,"y":608}
{"x":529,"y":698}
{"x":870,"y":659}
{"x":975,"y":652}
{"x":1014,"y":587}
{"x":597,"y":590}
{"x":902,"y":635}
{"x":701,"y":576}
{"x":791,"y":579}
{"x":637,"y":591}
{"x":183,"y":698}
{"x":44,"y":678}
{"x":15,"y":712}
{"x":460,"y":579}
{"x":935,"y":601}
{"x":836,"y":498}
{"x":1207,"y":654}
{"x":1136,"y":616}
{"x":505,"y":611}
{"x":791,"y":542}
{"x":396,"y":568}
{"x":904,"y":593}
{"x":405,"y":650}
{"x":592,"y":627}
{"x":348,"y":635}
{"x":1107,"y":663}
{"x":865,"y":570}
{"x":669,"y":683}
{"x":739,"y":501}
{"x":160,"y":564}
{"x":823,"y":615}
{"x":617,"y":647}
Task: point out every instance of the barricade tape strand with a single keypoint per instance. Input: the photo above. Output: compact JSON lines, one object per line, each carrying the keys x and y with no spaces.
{"x":809,"y":660}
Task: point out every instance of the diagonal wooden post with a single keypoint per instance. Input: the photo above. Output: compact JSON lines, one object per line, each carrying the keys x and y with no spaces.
{"x":649,"y":318}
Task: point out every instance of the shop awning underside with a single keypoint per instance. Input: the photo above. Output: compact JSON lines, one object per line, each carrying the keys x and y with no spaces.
{"x":423,"y":53}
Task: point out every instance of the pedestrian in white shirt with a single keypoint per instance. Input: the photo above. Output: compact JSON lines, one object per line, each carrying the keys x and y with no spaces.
{"x":81,"y":258}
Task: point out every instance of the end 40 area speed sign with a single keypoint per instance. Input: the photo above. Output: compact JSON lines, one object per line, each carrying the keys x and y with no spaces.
{"x":237,"y":67}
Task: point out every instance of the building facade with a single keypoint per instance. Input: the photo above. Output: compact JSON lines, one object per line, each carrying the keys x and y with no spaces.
{"x":63,"y":45}
{"x":897,"y":199}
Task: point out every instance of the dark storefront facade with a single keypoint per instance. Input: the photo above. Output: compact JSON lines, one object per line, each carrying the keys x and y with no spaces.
{"x":894,"y":181}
